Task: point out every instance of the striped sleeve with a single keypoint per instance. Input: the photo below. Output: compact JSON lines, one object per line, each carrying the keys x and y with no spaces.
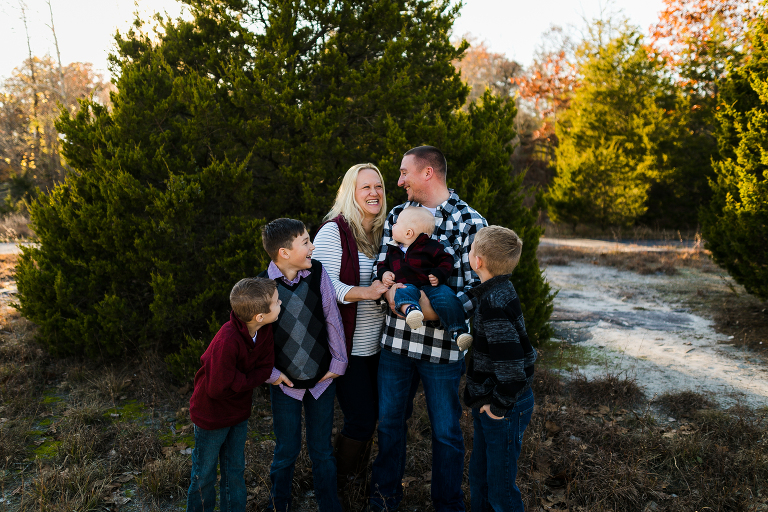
{"x":328,"y":252}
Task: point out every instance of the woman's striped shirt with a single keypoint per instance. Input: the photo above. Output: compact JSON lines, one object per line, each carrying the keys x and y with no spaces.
{"x":370,"y":318}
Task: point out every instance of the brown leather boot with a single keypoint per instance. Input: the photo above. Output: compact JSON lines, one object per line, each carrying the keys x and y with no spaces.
{"x":351,"y":458}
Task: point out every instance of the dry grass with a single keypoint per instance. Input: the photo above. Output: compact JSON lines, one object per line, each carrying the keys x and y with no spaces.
{"x":81,"y":435}
{"x":641,"y":262}
{"x":14,"y":227}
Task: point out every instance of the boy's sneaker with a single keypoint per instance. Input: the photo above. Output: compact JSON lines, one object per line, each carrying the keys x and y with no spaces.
{"x":414,"y":317}
{"x":464,"y":340}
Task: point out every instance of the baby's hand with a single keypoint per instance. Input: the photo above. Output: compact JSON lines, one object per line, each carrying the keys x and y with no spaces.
{"x":388,"y":278}
{"x":433,"y":280}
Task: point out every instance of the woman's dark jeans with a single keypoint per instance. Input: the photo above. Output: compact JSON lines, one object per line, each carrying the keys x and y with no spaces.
{"x":358,"y":395}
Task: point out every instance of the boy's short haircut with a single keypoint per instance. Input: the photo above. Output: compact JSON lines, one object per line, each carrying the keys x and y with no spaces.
{"x":499,"y":247}
{"x":252,"y":296}
{"x":422,"y":219}
{"x":280,"y":234}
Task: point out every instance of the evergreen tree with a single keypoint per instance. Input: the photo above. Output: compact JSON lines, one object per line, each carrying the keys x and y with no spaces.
{"x":243,"y":113}
{"x":613,"y":137}
{"x":735,"y":225}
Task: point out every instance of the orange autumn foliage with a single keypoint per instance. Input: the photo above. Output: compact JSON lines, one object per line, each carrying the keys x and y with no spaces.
{"x":696,"y":38}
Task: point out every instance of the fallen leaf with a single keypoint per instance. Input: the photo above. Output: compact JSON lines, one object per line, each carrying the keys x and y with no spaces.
{"x":408,"y":480}
{"x":427,"y":477}
{"x":552,"y":428}
{"x":117,"y":500}
{"x":124,"y":478}
{"x":604,"y":409}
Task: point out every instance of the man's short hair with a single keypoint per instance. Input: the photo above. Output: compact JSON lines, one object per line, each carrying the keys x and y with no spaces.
{"x":280,"y":234}
{"x":422,"y":219}
{"x":430,"y":156}
{"x":252,"y":296}
{"x":499,"y":247}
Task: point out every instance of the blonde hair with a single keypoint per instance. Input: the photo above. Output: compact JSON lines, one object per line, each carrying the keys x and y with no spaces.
{"x":346,"y":205}
{"x":420,"y":219}
{"x":499,"y":247}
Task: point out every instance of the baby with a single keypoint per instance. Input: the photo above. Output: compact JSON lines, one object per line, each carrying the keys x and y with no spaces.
{"x":419,"y":263}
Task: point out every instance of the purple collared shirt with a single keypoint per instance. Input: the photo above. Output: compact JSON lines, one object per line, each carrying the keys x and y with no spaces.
{"x":336,"y":342}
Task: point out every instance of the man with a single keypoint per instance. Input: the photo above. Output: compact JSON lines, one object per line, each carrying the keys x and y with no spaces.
{"x":427,"y":353}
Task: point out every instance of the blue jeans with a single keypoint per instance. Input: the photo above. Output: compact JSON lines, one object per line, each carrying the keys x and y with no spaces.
{"x":441,"y":389}
{"x":286,"y":419}
{"x":448,"y":307}
{"x":493,"y":464}
{"x":224,"y":447}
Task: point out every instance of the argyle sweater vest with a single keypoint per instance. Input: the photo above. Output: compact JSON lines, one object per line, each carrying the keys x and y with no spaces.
{"x":301,"y":338}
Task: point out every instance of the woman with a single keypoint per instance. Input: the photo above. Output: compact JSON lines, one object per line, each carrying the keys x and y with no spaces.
{"x":347,"y":245}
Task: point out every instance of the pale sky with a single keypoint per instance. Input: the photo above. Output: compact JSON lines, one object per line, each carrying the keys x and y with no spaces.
{"x":85,"y":27}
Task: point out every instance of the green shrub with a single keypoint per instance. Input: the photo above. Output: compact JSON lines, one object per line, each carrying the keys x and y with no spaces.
{"x":735,"y":225}
{"x":220,"y":124}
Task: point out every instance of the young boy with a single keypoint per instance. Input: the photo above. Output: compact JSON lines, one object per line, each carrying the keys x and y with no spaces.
{"x":499,"y":374}
{"x":239,"y":358}
{"x":310,"y":351}
{"x":421,"y":264}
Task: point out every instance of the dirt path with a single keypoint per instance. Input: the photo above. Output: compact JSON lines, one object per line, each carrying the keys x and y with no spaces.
{"x":633,"y":324}
{"x":11,"y":247}
{"x":621,"y":245}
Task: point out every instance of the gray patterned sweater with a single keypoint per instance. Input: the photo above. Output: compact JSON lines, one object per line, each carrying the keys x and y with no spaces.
{"x":501,"y":366}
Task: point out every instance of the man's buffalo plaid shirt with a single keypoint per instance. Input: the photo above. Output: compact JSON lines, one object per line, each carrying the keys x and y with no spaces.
{"x":455,"y":226}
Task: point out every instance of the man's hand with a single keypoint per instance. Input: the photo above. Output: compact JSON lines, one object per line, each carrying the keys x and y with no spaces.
{"x":487,"y":410}
{"x":376,"y":289}
{"x":390,"y":296}
{"x":388,"y":278}
{"x":433,"y":280}
{"x":329,"y":375}
{"x":283,"y":379}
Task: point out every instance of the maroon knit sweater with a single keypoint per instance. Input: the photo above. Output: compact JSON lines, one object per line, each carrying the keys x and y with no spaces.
{"x":232,"y":366}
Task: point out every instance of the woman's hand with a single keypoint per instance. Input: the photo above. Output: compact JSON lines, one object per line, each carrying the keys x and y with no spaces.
{"x":376,"y":290}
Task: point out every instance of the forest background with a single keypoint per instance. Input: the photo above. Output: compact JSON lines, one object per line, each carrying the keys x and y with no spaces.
{"x":146,"y":192}
{"x":145,"y":195}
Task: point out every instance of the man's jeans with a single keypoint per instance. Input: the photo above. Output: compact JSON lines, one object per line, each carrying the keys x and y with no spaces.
{"x":493,"y":464}
{"x":225,"y":447}
{"x":441,"y":389}
{"x":448,"y":307}
{"x":286,"y":419}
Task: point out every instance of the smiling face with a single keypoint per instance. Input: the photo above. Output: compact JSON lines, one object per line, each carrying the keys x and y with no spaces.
{"x":299,"y":256}
{"x":412,"y":179}
{"x":369,"y":192}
